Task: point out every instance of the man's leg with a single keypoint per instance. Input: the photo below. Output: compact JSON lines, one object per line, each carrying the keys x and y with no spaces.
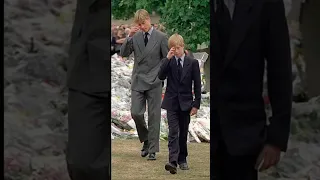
{"x":154,"y":117}
{"x":138,"y":108}
{"x":89,"y":142}
{"x":184,"y":121}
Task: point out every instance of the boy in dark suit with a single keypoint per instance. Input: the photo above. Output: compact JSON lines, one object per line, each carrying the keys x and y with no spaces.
{"x":180,"y":71}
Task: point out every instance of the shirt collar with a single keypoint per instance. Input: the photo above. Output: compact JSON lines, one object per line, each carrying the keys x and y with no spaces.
{"x":150,"y":30}
{"x":182,"y":57}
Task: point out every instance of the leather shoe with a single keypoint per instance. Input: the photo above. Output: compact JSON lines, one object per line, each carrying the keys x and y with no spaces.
{"x":152,"y":156}
{"x":184,"y":166}
{"x":171,"y":168}
{"x":144,"y":151}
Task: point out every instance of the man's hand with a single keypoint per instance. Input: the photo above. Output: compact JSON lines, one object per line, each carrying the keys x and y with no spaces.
{"x":133,"y":30}
{"x":193,"y":111}
{"x":269,"y":156}
{"x":171,"y":53}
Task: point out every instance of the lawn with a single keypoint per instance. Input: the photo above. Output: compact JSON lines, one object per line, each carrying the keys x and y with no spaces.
{"x":127,"y":164}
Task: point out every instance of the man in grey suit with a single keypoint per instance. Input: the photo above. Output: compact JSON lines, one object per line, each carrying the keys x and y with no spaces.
{"x":89,"y":142}
{"x":149,"y":46}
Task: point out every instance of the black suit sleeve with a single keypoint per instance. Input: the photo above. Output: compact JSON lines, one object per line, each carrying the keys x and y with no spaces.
{"x":279,"y":74}
{"x":164,"y":69}
{"x":196,"y":83}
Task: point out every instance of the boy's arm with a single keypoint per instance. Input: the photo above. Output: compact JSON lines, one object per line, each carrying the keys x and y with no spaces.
{"x":196,"y":84}
{"x":127,"y":47}
{"x":164,"y":69}
{"x":279,"y":76}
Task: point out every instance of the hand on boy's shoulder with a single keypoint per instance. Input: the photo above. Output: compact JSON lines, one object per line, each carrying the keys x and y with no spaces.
{"x":193,"y":111}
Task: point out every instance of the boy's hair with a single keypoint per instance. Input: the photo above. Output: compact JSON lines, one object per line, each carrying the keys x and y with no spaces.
{"x":140,"y":16}
{"x":175,"y":40}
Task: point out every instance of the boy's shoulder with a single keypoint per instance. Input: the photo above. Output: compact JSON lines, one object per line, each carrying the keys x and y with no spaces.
{"x":192,"y":59}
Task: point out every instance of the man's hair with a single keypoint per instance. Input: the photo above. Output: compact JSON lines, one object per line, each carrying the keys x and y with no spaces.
{"x":175,"y":40}
{"x":140,"y":16}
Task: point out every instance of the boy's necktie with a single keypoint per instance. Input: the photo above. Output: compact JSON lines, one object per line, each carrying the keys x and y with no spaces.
{"x":179,"y":69}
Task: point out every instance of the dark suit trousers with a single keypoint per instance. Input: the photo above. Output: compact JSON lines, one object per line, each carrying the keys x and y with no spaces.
{"x":88,"y":151}
{"x":225,"y":166}
{"x":178,"y":122}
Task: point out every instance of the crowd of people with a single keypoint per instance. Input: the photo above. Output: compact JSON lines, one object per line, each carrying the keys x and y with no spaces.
{"x":120,"y":32}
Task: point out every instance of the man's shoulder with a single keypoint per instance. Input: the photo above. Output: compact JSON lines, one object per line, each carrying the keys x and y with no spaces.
{"x":160,"y":34}
{"x":136,"y":34}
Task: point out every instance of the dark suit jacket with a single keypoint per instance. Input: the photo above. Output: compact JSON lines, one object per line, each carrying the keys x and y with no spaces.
{"x":89,"y":57}
{"x":180,"y":92}
{"x":259,"y":32}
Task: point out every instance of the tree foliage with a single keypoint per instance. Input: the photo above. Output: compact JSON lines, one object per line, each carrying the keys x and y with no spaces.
{"x":190,"y":18}
{"x":125,"y":9}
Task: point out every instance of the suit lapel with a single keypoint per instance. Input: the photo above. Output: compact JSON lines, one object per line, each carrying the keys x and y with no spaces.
{"x":174,"y":67}
{"x":185,"y":68}
{"x":153,"y":40}
{"x":243,"y":18}
{"x":140,"y":41}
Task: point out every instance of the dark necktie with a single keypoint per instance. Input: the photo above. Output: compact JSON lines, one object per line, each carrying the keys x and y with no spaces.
{"x":179,"y":69}
{"x":146,"y":38}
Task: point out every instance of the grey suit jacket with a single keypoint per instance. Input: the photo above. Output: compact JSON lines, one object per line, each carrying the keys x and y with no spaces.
{"x":147,"y":59}
{"x":89,"y":56}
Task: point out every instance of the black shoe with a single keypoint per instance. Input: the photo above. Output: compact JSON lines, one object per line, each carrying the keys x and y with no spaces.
{"x":184,"y":166}
{"x":152,"y":157}
{"x":144,"y":151}
{"x":171,"y":168}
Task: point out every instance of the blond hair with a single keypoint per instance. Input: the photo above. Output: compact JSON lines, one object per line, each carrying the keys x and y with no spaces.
{"x":140,"y":16}
{"x":175,"y":40}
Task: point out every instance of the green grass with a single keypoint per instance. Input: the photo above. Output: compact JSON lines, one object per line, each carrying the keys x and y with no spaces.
{"x":127,"y":164}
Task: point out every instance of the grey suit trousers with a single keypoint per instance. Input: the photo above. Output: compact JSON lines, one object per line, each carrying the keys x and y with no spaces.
{"x":152,"y":98}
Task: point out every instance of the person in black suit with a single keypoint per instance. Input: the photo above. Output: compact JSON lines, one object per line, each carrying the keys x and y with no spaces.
{"x":187,"y":53}
{"x":181,"y":71}
{"x":246,"y":34}
{"x":88,"y":150}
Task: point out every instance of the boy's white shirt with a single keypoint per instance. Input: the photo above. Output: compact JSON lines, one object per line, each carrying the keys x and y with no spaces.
{"x":182,"y":59}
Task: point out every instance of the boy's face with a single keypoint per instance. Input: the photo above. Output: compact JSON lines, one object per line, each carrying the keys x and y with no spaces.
{"x":145,"y":25}
{"x":179,"y":50}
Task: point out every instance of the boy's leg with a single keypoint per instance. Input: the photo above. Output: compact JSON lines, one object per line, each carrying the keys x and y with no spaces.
{"x":184,"y":121}
{"x":173,"y":137}
{"x":88,"y":150}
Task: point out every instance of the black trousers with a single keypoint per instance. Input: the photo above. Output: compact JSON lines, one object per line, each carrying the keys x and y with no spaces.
{"x":178,"y":122}
{"x":89,"y":141}
{"x":225,"y":166}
